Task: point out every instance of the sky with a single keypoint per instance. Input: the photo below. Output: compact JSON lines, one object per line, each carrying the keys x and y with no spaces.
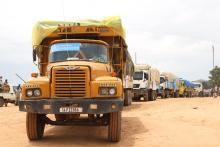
{"x":173,"y":35}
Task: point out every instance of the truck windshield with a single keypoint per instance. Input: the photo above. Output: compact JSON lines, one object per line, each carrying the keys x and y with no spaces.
{"x":162,"y":80}
{"x":78,"y":51}
{"x":138,"y":75}
{"x":197,"y":85}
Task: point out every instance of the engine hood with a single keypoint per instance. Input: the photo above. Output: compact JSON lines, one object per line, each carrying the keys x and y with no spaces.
{"x":97,"y":69}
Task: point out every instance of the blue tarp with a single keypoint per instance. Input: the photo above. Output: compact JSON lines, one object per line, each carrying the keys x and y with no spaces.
{"x":188,"y":83}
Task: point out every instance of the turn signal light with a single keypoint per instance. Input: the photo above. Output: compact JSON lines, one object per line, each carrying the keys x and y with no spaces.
{"x":114,"y":74}
{"x":113,"y":106}
{"x":34,"y":75}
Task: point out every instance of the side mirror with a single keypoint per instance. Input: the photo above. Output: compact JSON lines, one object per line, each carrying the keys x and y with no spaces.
{"x":34,"y":55}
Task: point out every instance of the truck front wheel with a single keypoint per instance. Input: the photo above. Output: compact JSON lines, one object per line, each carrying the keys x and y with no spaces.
{"x":35,"y":124}
{"x":146,"y":97}
{"x":152,"y":95}
{"x":114,"y":128}
{"x":127,"y":97}
{"x":1,"y":102}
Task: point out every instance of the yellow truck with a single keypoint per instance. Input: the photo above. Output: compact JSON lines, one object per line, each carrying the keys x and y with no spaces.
{"x":85,"y":74}
{"x":186,"y":88}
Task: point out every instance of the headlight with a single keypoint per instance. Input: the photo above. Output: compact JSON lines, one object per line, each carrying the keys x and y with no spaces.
{"x":37,"y":92}
{"x":103,"y":91}
{"x":29,"y":93}
{"x":107,"y":91}
{"x":112,"y":91}
{"x":33,"y":92}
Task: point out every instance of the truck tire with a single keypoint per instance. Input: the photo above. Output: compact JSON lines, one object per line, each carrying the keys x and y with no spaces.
{"x":1,"y":102}
{"x":126,"y":101}
{"x":162,"y":94}
{"x":200,"y":94}
{"x":16,"y":101}
{"x":151,"y":95}
{"x":146,"y":97}
{"x":114,"y":127}
{"x":127,"y":97}
{"x":176,"y":94}
{"x":167,"y":94}
{"x":185,"y":94}
{"x":155,"y":95}
{"x":35,"y":124}
{"x":188,"y":94}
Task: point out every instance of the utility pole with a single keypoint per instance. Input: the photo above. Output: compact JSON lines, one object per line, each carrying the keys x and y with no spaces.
{"x":213,"y":51}
{"x":135,"y":58}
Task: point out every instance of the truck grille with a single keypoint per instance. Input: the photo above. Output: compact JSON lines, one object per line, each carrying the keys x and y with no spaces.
{"x":70,"y":83}
{"x":136,"y":85}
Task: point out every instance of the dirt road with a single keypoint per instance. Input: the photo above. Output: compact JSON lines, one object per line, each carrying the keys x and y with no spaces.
{"x":193,"y":122}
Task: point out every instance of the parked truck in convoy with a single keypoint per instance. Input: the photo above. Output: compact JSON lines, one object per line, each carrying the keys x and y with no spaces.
{"x":198,"y":88}
{"x":83,"y":67}
{"x":186,"y":88}
{"x":146,"y":82}
{"x":169,"y":85}
{"x":7,"y":94}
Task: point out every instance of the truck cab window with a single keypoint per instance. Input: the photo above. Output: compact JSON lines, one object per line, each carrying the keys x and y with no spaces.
{"x":138,"y":75}
{"x":197,"y":85}
{"x":78,"y":51}
{"x":162,"y":80}
{"x":145,"y":76}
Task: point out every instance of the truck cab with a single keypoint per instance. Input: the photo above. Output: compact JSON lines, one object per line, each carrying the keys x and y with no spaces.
{"x":169,"y":85}
{"x":146,"y":82}
{"x":186,"y":88}
{"x":162,"y":86}
{"x":140,"y":86}
{"x":198,"y":87}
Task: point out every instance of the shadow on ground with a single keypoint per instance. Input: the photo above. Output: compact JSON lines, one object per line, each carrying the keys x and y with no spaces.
{"x":90,"y":135}
{"x":132,"y":107}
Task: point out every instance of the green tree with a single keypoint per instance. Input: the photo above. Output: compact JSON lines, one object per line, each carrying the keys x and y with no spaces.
{"x":207,"y":84}
{"x":215,"y":76}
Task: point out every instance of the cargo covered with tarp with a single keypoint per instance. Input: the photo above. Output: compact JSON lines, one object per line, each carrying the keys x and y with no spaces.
{"x":188,"y":84}
{"x":140,"y":67}
{"x":153,"y":73}
{"x":44,"y":29}
{"x":109,"y":30}
{"x":170,"y":76}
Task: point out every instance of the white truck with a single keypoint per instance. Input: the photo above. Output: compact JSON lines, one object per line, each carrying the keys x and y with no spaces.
{"x":7,"y":94}
{"x":6,"y":98}
{"x":198,"y":87}
{"x":169,"y":85}
{"x":146,"y":82}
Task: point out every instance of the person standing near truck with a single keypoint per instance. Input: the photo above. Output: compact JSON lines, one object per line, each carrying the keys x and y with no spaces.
{"x":215,"y":92}
{"x":17,"y":94}
{"x":1,"y":84}
{"x":6,"y":87}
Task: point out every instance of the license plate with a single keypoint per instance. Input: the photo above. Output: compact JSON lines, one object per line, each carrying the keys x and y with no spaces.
{"x":71,"y":109}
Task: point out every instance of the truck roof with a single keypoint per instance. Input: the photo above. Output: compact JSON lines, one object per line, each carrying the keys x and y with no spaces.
{"x":169,"y":75}
{"x":139,"y":67}
{"x":109,"y":26}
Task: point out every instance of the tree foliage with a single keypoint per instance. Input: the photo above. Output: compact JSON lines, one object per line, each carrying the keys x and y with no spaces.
{"x":215,"y":76}
{"x":207,"y":84}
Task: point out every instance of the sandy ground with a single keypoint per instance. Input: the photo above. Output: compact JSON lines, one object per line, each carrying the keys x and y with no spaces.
{"x":192,"y":122}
